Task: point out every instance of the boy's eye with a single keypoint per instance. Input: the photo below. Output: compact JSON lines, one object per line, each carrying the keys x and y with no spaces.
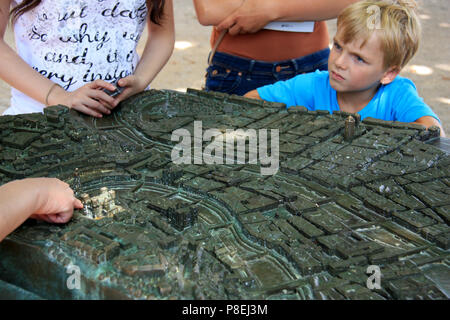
{"x":359,"y":59}
{"x":337,"y":46}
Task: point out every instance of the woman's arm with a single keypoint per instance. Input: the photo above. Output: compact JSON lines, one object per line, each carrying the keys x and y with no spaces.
{"x":252,"y":15}
{"x":46,"y":199}
{"x":294,"y":10}
{"x":18,"y":74}
{"x":36,"y":86}
{"x":157,"y":51}
{"x":212,"y":12}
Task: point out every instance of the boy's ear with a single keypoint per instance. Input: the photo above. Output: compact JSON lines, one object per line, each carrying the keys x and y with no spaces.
{"x":390,"y":75}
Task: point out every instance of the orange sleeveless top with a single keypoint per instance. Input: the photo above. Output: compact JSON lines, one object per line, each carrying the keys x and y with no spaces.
{"x":271,"y":46}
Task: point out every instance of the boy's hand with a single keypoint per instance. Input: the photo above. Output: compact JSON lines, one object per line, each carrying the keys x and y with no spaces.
{"x":89,"y":99}
{"x":55,"y":200}
{"x":250,"y":17}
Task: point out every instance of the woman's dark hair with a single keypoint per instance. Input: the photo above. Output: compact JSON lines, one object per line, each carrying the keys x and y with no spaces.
{"x":156,"y":13}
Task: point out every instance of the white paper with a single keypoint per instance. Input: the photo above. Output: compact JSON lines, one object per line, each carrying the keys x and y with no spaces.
{"x":306,"y":26}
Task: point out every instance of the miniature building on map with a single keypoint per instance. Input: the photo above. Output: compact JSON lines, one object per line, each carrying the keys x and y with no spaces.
{"x":100,"y":206}
{"x":347,"y":194}
{"x":182,"y":217}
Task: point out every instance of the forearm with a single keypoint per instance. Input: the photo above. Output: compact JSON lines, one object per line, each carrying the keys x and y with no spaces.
{"x":215,"y":11}
{"x":156,"y":54}
{"x":158,"y":49}
{"x":287,"y":10}
{"x":21,"y":76}
{"x":17,"y":202}
{"x":14,"y":70}
{"x":305,"y":10}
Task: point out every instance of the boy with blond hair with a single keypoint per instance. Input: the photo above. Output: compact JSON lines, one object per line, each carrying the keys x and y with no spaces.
{"x":373,"y":42}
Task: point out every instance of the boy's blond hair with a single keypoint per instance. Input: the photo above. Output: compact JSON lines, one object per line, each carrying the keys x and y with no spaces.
{"x":395,"y":22}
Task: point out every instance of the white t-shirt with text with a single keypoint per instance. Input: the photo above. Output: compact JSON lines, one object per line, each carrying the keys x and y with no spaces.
{"x":75,"y":42}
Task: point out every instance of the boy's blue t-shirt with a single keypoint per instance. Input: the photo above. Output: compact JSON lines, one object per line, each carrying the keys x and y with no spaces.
{"x":397,"y":101}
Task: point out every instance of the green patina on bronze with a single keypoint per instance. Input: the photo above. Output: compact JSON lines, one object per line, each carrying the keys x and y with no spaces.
{"x":379,"y":196}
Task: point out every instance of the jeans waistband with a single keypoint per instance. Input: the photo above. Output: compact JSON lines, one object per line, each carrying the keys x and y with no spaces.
{"x":255,"y":66}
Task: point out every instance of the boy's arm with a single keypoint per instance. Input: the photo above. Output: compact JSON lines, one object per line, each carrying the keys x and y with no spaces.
{"x":253,"y":15}
{"x":253,"y":95}
{"x":426,"y":121}
{"x":297,"y":91}
{"x":429,"y":121}
{"x":409,"y":107}
{"x":157,"y":51}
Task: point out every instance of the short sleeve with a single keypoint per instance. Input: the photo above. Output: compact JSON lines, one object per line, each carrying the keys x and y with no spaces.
{"x":298,"y":91}
{"x":409,"y":106}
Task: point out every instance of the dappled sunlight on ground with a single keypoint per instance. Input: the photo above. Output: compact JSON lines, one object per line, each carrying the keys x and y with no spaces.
{"x":420,"y":70}
{"x":183,"y":45}
{"x":443,"y":100}
{"x":445,"y":67}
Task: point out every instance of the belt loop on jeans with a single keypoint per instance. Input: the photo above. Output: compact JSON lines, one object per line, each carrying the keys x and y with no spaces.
{"x":250,"y":67}
{"x":295,"y":64}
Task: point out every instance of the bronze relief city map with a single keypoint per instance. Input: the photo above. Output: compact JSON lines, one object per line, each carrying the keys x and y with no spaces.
{"x":348,"y":209}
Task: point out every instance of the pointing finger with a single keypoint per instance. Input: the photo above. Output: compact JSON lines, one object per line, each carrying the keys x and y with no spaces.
{"x":78,"y":204}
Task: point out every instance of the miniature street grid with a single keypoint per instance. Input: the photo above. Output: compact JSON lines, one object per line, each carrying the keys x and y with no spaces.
{"x":342,"y":200}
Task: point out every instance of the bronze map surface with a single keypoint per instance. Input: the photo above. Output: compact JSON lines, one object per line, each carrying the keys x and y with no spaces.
{"x":153,"y":229}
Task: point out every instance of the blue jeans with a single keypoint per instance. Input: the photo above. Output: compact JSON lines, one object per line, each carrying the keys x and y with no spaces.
{"x":235,"y":75}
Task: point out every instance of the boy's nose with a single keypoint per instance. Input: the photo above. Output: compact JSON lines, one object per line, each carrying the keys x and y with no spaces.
{"x":340,"y":62}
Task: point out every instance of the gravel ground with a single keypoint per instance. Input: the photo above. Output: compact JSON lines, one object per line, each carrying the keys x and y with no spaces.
{"x":429,"y":69}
